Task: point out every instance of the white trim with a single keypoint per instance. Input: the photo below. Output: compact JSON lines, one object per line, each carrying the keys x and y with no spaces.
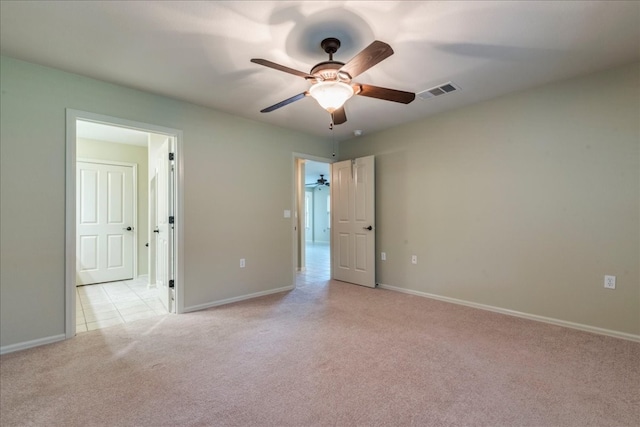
{"x":178,"y":237}
{"x":134,"y":167}
{"x":70,"y":212}
{"x":535,"y":317}
{"x":30,"y":344}
{"x":312,"y":158}
{"x":70,"y":226}
{"x":236,"y":299}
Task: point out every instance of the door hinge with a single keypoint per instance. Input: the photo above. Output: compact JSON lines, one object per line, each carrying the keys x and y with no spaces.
{"x":171,"y":220}
{"x":170,"y":156}
{"x":172,"y":284}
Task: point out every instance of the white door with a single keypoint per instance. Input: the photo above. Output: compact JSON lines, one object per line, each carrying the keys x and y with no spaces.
{"x":353,"y":225}
{"x":105,"y":220}
{"x":164,"y":227}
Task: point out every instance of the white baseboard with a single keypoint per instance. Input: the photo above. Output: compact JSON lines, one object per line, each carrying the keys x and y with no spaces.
{"x":557,"y":322}
{"x":29,"y":344}
{"x":236,"y":299}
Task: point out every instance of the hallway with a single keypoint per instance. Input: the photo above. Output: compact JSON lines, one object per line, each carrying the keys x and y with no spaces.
{"x":318,"y":265}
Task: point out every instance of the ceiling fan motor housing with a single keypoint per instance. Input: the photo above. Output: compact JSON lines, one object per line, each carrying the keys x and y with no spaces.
{"x":328,"y":70}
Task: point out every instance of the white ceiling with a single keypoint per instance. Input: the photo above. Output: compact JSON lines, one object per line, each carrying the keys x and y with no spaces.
{"x":200,"y":51}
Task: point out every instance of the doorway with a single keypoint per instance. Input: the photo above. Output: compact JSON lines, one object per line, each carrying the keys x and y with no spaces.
{"x":313,"y":236}
{"x":109,"y":152}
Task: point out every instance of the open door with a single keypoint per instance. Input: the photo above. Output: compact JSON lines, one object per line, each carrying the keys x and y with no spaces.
{"x":164,"y":230}
{"x":353,"y":225}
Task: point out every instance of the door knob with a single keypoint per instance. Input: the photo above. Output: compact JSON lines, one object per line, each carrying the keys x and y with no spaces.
{"x":156,"y":231}
{"x":128,"y":228}
{"x":368,"y":228}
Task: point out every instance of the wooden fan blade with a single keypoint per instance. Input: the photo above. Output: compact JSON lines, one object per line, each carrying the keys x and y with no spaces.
{"x":339,"y":116}
{"x":282,"y":68}
{"x":367,"y":58}
{"x":386,"y":94}
{"x":285,"y":102}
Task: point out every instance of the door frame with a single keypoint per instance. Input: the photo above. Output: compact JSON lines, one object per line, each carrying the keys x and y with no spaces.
{"x":297,"y":201}
{"x":70,"y":206}
{"x":134,"y":222}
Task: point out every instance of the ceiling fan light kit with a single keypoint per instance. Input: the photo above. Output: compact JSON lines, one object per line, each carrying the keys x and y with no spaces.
{"x":331,"y":95}
{"x":331,"y":84}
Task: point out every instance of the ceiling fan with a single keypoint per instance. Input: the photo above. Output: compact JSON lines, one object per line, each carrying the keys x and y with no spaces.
{"x":320,"y":181}
{"x":331,"y":81}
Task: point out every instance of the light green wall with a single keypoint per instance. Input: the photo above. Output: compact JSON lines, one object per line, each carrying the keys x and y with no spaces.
{"x":523,"y":203}
{"x":101,"y":150}
{"x":227,"y":217}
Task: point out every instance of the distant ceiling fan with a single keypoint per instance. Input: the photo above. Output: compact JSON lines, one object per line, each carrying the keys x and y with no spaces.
{"x":320,"y":181}
{"x":331,"y":81}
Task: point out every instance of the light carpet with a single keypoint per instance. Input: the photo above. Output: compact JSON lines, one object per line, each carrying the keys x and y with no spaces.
{"x":329,"y":354}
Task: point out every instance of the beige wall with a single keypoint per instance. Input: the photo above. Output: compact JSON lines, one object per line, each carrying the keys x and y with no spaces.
{"x":227,"y":217}
{"x":523,"y":203}
{"x":101,"y":150}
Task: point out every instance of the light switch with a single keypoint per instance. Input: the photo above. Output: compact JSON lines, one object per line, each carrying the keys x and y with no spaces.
{"x":287,"y":214}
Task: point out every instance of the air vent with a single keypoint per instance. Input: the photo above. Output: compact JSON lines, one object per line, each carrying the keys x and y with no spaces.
{"x":443,"y":89}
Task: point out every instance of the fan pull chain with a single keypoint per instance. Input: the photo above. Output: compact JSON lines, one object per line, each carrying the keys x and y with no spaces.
{"x":333,"y":136}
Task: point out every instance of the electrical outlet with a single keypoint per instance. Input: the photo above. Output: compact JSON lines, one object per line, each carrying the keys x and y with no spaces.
{"x":610,"y":282}
{"x":242,"y":262}
{"x":383,"y":256}
{"x":414,"y":259}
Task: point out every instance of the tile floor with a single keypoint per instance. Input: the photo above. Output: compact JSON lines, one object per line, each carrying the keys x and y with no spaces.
{"x":318,"y":268}
{"x":108,"y":304}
